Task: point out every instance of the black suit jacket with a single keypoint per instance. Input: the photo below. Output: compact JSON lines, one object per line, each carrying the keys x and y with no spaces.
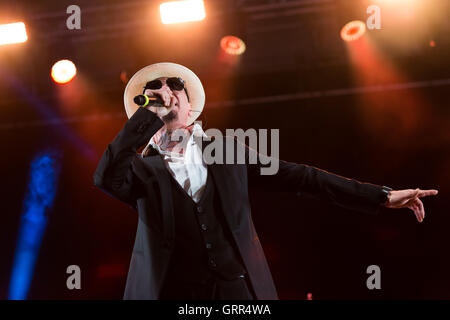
{"x":143,"y":183}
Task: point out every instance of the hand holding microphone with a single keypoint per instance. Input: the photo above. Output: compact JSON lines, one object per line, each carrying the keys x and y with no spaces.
{"x":159,"y":101}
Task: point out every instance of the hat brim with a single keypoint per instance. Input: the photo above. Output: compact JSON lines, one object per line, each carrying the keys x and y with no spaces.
{"x":193,"y":86}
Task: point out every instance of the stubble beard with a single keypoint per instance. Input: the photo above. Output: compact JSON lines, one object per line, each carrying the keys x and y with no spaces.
{"x":170,"y":117}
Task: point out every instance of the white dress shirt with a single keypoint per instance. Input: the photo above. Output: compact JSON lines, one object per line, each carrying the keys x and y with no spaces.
{"x":188,"y":169}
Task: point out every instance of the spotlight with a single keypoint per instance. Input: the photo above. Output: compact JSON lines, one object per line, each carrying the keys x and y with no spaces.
{"x":63,"y":71}
{"x":13,"y":33}
{"x":39,"y":199}
{"x":398,"y":3}
{"x":182,"y":11}
{"x":353,"y":30}
{"x":232,"y":45}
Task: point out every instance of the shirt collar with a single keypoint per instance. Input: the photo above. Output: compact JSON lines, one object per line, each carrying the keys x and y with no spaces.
{"x":196,"y":131}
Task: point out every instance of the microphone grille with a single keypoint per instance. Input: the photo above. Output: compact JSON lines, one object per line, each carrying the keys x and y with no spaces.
{"x":139,"y":100}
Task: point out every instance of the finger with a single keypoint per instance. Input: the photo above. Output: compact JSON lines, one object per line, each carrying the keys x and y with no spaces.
{"x":414,"y":207}
{"x":166,"y":98}
{"x":421,"y":208}
{"x":418,"y":210}
{"x":424,"y":193}
{"x":169,"y":95}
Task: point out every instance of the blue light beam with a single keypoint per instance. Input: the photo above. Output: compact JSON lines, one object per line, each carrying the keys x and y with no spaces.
{"x":44,"y":173}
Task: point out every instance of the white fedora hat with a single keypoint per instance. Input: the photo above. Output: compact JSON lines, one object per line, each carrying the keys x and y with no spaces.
{"x":192,"y":84}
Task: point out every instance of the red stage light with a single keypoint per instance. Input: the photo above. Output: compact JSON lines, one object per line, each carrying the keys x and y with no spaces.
{"x":232,"y":45}
{"x":63,"y":71}
{"x":353,"y":30}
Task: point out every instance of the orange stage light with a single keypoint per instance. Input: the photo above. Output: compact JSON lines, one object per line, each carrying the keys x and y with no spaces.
{"x":63,"y":71}
{"x":353,"y":30}
{"x":232,"y":45}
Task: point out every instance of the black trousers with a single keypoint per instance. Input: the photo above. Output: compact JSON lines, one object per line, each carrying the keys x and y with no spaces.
{"x":214,"y":288}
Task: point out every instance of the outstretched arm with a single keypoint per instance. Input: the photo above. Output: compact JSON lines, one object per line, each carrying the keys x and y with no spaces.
{"x":338,"y":190}
{"x":325,"y":186}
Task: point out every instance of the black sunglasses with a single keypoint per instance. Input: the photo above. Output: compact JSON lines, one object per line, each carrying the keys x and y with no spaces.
{"x":173,"y":83}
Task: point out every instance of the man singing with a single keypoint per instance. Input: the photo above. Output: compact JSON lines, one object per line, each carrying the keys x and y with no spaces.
{"x":195,"y":237}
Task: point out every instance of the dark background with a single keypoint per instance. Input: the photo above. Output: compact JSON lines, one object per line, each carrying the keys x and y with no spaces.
{"x":376,"y":111}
